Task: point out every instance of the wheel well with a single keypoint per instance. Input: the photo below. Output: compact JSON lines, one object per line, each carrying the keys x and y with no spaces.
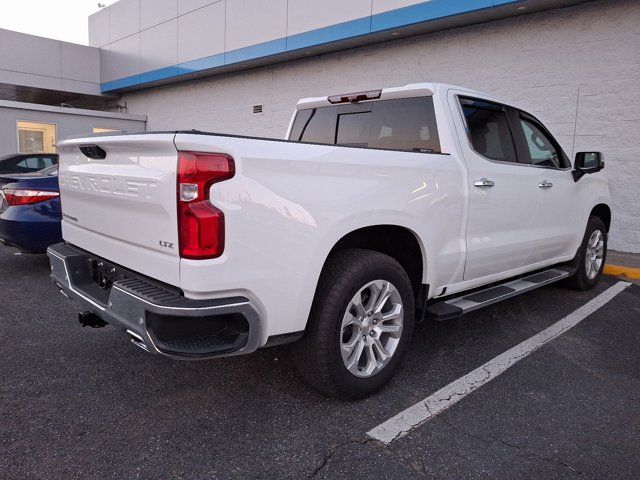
{"x":398,"y":242}
{"x":603,"y":212}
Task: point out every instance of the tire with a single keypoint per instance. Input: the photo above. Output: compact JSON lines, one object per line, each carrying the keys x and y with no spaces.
{"x":587,"y":277}
{"x":319,"y":356}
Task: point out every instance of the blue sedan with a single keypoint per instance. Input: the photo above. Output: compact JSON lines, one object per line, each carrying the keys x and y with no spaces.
{"x":30,"y":210}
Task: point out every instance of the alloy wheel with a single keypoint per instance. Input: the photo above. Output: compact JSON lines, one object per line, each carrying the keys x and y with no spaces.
{"x":371,"y":328}
{"x":594,"y":254}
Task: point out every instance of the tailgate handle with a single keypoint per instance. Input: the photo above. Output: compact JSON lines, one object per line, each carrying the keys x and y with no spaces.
{"x":93,"y":151}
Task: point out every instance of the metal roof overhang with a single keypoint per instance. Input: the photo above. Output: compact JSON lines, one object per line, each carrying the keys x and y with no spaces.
{"x":23,"y":93}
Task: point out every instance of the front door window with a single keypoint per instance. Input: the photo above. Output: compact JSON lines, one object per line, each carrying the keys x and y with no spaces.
{"x":541,"y":149}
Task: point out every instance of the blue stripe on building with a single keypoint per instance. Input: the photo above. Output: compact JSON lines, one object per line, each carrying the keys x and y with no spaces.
{"x":402,"y":17}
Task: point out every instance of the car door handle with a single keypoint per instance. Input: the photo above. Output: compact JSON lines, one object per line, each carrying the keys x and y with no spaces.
{"x":483,"y":183}
{"x":545,"y":184}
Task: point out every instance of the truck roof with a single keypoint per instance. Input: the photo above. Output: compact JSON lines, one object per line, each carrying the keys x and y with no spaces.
{"x":411,"y":90}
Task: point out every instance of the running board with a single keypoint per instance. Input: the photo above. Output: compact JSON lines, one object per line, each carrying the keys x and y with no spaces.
{"x":457,"y":306}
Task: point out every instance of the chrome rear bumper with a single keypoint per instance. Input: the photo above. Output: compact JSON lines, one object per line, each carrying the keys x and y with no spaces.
{"x":156,"y":317}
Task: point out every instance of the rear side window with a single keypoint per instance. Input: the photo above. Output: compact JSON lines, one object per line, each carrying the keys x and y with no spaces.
{"x":488,"y":129}
{"x":404,"y":124}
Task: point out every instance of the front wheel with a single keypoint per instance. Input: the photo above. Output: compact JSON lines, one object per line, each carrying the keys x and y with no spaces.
{"x":360,"y":324}
{"x":591,"y":256}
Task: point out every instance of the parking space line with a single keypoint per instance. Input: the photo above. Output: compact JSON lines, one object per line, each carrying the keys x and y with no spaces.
{"x":414,"y":416}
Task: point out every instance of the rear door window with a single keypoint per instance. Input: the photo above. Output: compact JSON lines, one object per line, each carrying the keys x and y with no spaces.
{"x":407,"y":124}
{"x":488,"y":130}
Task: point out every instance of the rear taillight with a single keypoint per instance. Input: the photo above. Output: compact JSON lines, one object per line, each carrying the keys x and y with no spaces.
{"x":25,"y":197}
{"x":200,"y":224}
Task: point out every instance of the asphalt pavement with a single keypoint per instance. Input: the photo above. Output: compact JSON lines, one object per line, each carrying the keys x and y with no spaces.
{"x":81,"y":403}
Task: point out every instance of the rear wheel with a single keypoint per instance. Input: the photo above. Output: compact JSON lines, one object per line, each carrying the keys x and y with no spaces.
{"x":359,"y":327}
{"x":591,"y":256}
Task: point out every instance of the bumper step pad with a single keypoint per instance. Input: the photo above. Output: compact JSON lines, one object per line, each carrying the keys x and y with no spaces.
{"x":166,"y":297}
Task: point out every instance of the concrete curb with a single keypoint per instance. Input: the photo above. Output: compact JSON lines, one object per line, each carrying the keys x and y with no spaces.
{"x":622,"y":271}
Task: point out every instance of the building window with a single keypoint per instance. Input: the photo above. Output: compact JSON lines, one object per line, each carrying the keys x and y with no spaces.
{"x":36,"y":137}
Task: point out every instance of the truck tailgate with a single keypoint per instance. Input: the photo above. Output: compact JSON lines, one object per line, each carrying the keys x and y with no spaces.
{"x":123,"y":207}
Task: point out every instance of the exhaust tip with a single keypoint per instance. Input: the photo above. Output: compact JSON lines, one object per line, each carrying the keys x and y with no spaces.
{"x":138,"y":341}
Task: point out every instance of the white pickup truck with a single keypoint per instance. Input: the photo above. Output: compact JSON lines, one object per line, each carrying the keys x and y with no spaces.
{"x":379,"y":208}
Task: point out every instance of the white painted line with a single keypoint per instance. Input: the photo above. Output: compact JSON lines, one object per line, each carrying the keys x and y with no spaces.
{"x":414,"y":416}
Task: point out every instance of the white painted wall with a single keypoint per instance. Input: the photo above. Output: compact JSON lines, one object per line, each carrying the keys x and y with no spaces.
{"x":576,"y":68}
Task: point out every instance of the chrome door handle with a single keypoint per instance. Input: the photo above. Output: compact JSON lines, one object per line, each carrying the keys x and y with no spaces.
{"x":545,"y":184}
{"x":483,"y":183}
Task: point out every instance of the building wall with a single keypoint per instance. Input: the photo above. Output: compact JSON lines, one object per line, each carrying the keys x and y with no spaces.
{"x":37,"y":62}
{"x":80,"y":122}
{"x":576,"y":68}
{"x":148,"y":42}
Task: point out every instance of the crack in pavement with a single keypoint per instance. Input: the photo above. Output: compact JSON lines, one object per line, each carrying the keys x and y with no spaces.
{"x":333,"y":449}
{"x":486,"y":439}
{"x":439,"y":401}
{"x":519,"y":448}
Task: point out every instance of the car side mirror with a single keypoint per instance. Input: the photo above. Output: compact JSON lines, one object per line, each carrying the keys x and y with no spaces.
{"x":587,"y":162}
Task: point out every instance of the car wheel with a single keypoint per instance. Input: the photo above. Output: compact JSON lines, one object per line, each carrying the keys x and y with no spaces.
{"x":360,"y":325}
{"x":591,"y":256}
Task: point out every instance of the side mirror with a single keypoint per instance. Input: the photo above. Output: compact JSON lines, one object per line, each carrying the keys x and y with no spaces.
{"x":587,"y":162}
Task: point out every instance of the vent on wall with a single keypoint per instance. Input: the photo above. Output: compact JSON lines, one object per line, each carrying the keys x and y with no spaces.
{"x":257,"y":109}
